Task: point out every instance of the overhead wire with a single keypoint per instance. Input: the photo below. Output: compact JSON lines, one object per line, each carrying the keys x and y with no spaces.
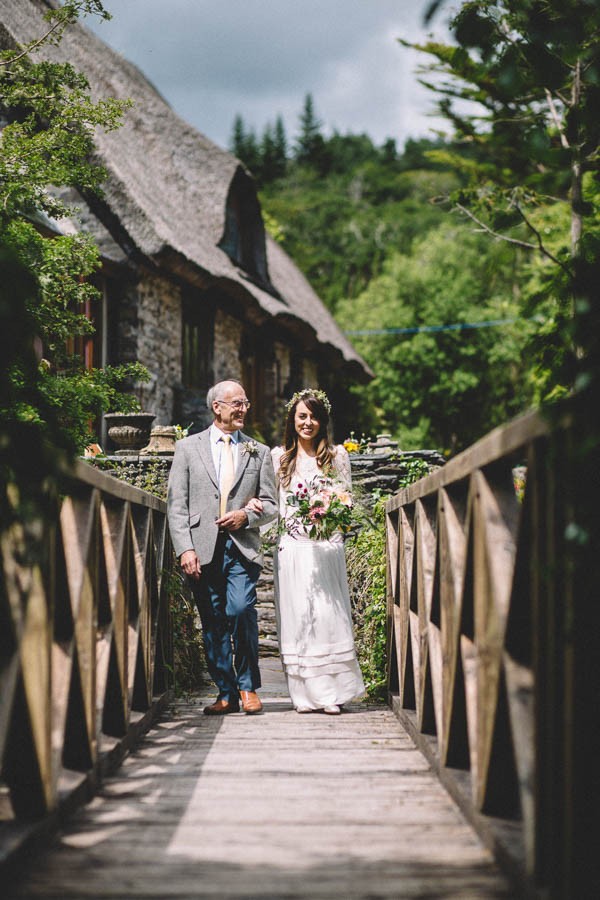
{"x":419,"y":329}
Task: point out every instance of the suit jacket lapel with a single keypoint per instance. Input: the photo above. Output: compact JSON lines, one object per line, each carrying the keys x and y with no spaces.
{"x":205,"y":451}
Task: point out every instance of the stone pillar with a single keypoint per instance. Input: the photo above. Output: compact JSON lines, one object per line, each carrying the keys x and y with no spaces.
{"x":159,"y":345}
{"x":311,"y":373}
{"x":228,"y":336}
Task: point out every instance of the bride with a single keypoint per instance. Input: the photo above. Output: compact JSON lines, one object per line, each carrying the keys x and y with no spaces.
{"x":311,"y":586}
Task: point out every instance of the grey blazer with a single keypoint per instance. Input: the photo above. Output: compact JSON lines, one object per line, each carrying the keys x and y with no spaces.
{"x":193,"y":497}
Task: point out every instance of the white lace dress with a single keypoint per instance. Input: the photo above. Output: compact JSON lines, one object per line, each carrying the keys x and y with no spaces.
{"x":313,"y":606}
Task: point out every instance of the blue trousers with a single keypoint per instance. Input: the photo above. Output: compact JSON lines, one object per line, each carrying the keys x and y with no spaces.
{"x":226,"y":598}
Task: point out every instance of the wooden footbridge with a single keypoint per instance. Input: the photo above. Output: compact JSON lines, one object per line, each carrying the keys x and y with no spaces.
{"x":277,"y":805}
{"x":469,"y":784}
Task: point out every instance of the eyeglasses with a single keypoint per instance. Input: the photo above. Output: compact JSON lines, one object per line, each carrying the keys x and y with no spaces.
{"x":238,"y":405}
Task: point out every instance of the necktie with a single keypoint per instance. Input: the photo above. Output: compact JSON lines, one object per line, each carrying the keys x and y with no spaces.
{"x":226,"y":473}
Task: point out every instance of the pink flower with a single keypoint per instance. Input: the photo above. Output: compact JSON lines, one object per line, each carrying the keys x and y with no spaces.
{"x":323,"y":499}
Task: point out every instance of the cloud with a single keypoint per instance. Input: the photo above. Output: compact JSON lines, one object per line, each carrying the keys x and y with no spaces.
{"x":213,"y":59}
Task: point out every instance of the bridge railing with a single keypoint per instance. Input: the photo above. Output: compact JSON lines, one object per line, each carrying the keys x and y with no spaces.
{"x":484,"y":631}
{"x":85,"y":641}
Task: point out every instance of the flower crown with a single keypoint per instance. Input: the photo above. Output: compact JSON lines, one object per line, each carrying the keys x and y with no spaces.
{"x":309,"y":392}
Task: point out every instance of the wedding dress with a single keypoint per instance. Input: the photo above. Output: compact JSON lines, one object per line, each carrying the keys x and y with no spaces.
{"x":313,"y":604}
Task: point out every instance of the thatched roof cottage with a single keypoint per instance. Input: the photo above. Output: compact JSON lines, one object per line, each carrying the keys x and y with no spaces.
{"x":193,"y":286}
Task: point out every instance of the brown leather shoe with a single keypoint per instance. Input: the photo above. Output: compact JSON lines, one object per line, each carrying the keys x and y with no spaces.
{"x":221,"y":707}
{"x":250,"y":702}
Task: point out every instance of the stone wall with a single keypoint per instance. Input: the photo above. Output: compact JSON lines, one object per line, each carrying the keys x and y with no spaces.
{"x":228,"y":337}
{"x":159,"y":345}
{"x":150,"y":473}
{"x":283,"y":370}
{"x":382,"y":466}
{"x":146,"y":325}
{"x":283,"y":362}
{"x":311,"y":373}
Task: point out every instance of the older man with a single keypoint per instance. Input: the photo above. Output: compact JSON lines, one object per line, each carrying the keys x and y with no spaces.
{"x":221,"y":489}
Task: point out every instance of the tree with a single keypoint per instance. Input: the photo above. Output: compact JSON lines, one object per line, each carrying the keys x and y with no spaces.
{"x":310,"y":145}
{"x":272,"y":153}
{"x":340,"y":227}
{"x":442,"y":386}
{"x":529,"y":73}
{"x":281,"y":149}
{"x":47,"y":398}
{"x":245,"y":146}
{"x":238,"y":136}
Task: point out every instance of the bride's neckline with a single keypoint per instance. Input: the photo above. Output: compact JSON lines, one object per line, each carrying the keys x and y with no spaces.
{"x":305,"y":462}
{"x":302,"y":455}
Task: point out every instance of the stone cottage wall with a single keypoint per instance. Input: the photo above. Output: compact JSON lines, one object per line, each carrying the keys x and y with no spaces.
{"x":311,"y":373}
{"x":159,"y":345}
{"x":283,"y":370}
{"x":228,"y":337}
{"x":283,"y":362}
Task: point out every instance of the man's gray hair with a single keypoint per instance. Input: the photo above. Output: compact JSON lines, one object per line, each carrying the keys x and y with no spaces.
{"x":216,"y":391}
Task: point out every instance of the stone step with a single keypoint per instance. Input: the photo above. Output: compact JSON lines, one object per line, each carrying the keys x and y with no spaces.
{"x":268,"y":646}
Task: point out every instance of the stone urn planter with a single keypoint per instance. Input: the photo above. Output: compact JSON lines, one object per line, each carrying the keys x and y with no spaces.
{"x":129,"y":431}
{"x":162,"y":441}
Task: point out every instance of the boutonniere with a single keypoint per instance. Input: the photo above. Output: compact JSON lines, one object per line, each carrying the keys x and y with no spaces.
{"x":249,"y":447}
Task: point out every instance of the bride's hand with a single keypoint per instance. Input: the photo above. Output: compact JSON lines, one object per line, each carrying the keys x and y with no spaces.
{"x":255,"y":505}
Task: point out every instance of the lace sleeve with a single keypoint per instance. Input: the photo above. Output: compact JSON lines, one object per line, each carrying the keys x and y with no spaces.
{"x":276,"y":454}
{"x":342,"y":466}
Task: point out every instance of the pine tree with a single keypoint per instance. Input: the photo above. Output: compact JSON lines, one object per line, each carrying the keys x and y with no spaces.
{"x":280,"y":147}
{"x":244,"y":145}
{"x":310,"y":143}
{"x":273,"y":152}
{"x":251,"y":156}
{"x":236,"y":144}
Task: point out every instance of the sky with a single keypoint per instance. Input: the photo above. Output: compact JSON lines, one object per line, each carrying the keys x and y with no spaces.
{"x":213,"y":59}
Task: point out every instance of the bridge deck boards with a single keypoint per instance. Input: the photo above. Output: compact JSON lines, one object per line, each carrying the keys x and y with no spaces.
{"x":274,"y":806}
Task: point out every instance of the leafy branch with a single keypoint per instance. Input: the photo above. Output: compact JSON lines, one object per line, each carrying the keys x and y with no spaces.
{"x":60,"y":18}
{"x":517,"y":242}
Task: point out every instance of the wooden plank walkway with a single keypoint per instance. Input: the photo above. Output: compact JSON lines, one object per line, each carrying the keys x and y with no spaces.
{"x":274,"y":806}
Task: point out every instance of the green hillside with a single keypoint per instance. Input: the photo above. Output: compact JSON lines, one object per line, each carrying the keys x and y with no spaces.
{"x":377,"y":232}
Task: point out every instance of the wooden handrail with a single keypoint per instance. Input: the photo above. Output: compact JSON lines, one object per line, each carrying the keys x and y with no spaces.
{"x":85,"y":649}
{"x":481,"y":604}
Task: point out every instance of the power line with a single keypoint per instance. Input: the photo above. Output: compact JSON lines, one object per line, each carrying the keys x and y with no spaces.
{"x":458,"y":326}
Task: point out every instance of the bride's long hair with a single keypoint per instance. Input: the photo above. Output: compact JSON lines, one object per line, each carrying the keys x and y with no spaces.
{"x":324,"y":447}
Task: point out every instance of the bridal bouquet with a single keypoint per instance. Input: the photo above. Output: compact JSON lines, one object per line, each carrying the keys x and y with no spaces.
{"x":321,"y":506}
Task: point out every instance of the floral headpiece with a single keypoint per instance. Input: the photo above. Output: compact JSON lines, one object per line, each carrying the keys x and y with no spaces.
{"x":309,"y":392}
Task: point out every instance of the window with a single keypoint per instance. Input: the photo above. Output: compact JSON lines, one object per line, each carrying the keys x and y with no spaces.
{"x":91,"y":349}
{"x":244,"y":236}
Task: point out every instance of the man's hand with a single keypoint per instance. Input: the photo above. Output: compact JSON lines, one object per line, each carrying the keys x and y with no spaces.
{"x":190,"y":564}
{"x":233,"y":520}
{"x":255,"y":505}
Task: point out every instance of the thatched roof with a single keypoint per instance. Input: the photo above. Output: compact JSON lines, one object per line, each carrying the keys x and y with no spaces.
{"x":166,"y":191}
